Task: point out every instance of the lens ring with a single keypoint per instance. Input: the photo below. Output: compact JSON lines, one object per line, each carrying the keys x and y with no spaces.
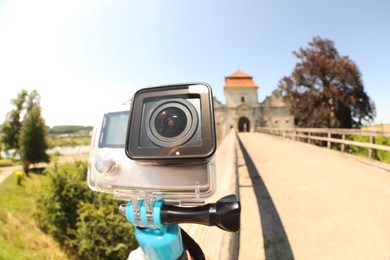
{"x":170,"y":121}
{"x":185,"y":134}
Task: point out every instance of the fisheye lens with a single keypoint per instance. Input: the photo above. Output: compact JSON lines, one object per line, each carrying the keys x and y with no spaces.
{"x":170,"y":122}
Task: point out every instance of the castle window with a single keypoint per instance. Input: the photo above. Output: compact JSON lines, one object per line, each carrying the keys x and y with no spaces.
{"x":242,"y":99}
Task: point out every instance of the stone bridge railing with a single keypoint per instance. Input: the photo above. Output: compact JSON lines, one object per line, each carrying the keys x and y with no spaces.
{"x":328,"y":137}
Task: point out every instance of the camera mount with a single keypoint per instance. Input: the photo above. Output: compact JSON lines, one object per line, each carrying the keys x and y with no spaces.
{"x":148,"y":213}
{"x":157,"y":230}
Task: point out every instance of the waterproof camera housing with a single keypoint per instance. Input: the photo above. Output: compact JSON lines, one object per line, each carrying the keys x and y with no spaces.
{"x":160,"y":146}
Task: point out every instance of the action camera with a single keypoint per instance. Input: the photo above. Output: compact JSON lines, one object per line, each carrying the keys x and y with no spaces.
{"x":160,"y":145}
{"x":173,"y":124}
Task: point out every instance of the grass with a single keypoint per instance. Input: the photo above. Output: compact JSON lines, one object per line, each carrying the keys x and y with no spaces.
{"x":20,"y":238}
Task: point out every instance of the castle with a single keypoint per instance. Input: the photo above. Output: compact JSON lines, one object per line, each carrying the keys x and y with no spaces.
{"x":242,"y":110}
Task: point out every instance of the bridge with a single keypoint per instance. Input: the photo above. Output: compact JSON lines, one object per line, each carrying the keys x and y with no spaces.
{"x":299,"y":201}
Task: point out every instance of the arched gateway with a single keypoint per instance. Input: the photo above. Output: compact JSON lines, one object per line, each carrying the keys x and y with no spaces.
{"x":243,"y":124}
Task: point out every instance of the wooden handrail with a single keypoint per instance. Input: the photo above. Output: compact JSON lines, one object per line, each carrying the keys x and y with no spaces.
{"x":325,"y":135}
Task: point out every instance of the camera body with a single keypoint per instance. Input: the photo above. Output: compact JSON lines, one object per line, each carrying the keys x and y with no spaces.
{"x":161,"y":146}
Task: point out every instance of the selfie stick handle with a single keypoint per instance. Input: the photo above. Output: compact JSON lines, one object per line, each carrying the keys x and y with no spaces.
{"x":163,"y":243}
{"x":157,"y":241}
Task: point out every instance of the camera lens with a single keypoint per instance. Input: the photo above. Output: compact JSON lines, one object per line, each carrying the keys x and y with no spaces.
{"x":170,"y":122}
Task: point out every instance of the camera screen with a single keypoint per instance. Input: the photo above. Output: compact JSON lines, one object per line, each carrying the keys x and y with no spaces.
{"x":113,"y":133}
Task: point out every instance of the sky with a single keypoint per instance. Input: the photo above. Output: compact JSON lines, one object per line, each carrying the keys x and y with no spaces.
{"x":84,"y":55}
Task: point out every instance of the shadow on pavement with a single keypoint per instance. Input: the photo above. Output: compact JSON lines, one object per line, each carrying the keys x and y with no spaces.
{"x":276,"y":244}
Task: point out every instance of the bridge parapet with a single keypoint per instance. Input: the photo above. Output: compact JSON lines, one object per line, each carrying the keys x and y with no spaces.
{"x":330,"y":136}
{"x":216,"y":243}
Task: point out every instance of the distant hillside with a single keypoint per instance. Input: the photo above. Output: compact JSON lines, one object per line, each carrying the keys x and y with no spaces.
{"x":382,"y":127}
{"x":69,"y":130}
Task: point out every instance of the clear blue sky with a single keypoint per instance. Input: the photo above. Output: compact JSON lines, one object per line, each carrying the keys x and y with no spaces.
{"x":80,"y":54}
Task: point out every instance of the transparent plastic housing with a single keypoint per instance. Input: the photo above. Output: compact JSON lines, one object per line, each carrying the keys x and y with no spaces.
{"x":111,"y":171}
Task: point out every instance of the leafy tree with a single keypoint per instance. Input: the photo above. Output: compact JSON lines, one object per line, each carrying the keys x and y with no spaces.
{"x":325,"y":89}
{"x":13,"y":122}
{"x":34,"y":99}
{"x":33,"y":138}
{"x":27,"y":135}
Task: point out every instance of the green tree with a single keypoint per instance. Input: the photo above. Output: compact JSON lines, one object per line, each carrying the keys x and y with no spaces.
{"x":33,"y":138}
{"x":13,"y":122}
{"x":33,"y":100}
{"x":27,"y":135}
{"x":326,"y":89}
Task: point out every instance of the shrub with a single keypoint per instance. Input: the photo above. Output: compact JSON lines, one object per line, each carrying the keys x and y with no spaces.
{"x":100,"y":224}
{"x":59,"y":200}
{"x":87,"y":224}
{"x":356,"y":150}
{"x":383,"y":156}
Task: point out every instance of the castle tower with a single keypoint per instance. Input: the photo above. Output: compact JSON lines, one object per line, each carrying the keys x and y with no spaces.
{"x":240,"y":89}
{"x":241,"y":101}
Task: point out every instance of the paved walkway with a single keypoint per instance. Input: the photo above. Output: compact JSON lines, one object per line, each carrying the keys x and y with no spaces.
{"x":312,"y":203}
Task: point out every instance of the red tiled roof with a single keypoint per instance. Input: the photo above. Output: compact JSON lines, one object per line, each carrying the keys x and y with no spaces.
{"x":240,"y":79}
